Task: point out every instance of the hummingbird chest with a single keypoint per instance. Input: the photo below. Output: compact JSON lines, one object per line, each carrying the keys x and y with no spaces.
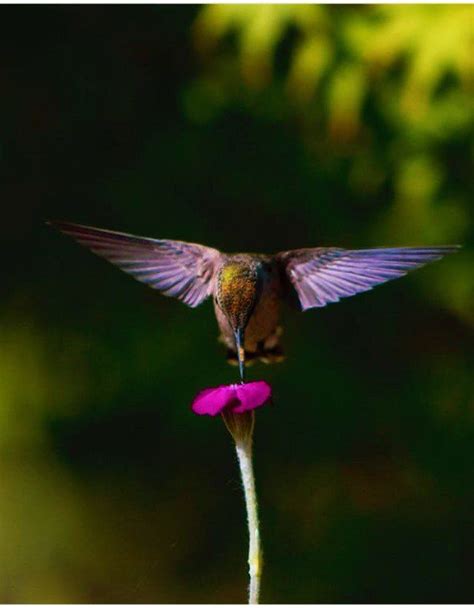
{"x":262,"y":323}
{"x":264,"y":320}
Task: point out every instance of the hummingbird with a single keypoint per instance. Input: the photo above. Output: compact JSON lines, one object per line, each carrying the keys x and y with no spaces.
{"x":248,"y":288}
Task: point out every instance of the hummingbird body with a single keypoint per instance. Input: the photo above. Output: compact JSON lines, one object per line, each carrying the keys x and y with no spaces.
{"x":248,"y":289}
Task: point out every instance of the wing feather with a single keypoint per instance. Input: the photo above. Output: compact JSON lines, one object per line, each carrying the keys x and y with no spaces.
{"x":178,"y":269}
{"x":324,"y":275}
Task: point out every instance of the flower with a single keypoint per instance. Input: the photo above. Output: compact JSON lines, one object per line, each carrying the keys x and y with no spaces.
{"x":237,"y":398}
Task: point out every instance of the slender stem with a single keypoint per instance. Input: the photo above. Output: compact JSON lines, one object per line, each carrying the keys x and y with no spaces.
{"x":243,"y":447}
{"x":241,"y":428}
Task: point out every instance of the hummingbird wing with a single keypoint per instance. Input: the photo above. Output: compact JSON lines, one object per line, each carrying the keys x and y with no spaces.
{"x":326,"y":274}
{"x":179,"y":269}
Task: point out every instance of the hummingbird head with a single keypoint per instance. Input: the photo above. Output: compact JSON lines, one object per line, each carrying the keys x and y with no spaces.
{"x":238,"y":286}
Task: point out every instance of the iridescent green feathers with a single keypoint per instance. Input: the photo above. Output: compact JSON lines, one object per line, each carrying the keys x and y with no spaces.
{"x":237,"y":289}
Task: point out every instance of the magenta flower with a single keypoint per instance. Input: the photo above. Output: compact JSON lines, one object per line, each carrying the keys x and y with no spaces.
{"x":238,"y":398}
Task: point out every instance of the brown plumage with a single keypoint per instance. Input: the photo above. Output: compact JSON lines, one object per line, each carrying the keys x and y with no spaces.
{"x":248,"y":296}
{"x":248,"y":288}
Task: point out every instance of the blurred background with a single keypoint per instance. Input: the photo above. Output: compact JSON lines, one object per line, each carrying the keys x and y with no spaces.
{"x":257,"y":128}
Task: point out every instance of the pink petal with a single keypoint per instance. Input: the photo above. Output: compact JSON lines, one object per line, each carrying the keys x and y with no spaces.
{"x":212,"y":401}
{"x":239,"y":398}
{"x":252,"y":395}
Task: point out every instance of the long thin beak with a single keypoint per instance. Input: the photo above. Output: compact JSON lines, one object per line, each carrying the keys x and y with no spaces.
{"x":239,"y":343}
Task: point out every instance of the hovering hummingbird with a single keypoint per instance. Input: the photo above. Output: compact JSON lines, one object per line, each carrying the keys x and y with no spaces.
{"x":248,"y":289}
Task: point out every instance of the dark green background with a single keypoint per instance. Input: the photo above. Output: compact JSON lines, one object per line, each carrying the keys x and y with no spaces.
{"x":111,"y":490}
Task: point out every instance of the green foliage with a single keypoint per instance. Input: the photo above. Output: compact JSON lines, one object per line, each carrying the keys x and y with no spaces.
{"x":381,"y":94}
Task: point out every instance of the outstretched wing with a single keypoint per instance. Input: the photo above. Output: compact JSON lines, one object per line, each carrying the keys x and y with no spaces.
{"x":182,"y":270}
{"x":325,"y":275}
